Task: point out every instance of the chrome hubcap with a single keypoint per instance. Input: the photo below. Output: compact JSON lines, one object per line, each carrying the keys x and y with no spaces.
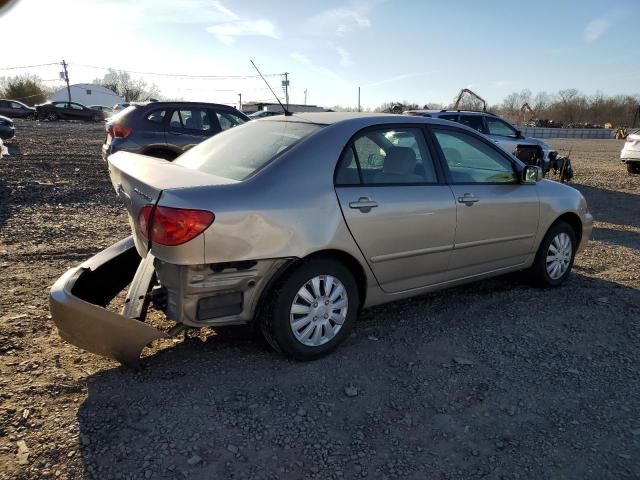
{"x":559,"y":256}
{"x":318,"y":310}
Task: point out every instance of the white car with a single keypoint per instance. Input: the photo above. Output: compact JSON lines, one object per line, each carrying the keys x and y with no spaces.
{"x":630,"y":153}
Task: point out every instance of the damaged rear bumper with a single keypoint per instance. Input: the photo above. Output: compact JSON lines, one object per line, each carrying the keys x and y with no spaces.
{"x":79,"y":298}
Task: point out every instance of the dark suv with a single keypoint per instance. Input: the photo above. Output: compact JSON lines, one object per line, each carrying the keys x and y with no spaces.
{"x":166,"y":129}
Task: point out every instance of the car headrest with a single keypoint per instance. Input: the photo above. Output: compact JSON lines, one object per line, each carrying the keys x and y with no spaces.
{"x":399,"y":161}
{"x":452,"y":155}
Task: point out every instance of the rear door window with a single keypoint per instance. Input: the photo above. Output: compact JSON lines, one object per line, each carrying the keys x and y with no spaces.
{"x":191,"y":119}
{"x":387,"y":156}
{"x":473,"y":121}
{"x":450,"y":117}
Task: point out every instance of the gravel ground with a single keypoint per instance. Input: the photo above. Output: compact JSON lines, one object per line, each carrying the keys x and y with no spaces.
{"x":492,"y":380}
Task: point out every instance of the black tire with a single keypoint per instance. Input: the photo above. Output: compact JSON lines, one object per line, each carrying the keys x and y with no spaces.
{"x":52,"y":116}
{"x":97,"y":117}
{"x":164,"y":154}
{"x":633,"y":168}
{"x":275,"y":318}
{"x":539,"y":272}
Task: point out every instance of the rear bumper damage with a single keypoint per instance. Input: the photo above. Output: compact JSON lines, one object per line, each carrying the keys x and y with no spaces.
{"x":191,"y":295}
{"x":78,"y":299}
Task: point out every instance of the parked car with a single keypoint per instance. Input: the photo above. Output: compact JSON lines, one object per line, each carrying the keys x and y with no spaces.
{"x":262,"y":114}
{"x":298,"y":222}
{"x":166,"y":129}
{"x":498,"y":130}
{"x":103,"y":108}
{"x":118,"y":107}
{"x":630,"y":153}
{"x":16,"y":109}
{"x":68,"y":111}
{"x":7,"y":129}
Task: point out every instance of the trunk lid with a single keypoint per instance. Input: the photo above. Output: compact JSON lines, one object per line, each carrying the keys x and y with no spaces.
{"x":140,"y":180}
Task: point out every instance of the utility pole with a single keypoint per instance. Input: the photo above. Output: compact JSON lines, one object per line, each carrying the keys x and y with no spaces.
{"x":285,"y":85}
{"x":359,"y":99}
{"x":240,"y":101}
{"x":305,"y":96}
{"x":66,"y":79}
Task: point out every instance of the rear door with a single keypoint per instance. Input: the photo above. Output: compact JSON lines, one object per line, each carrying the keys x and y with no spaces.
{"x":397,"y":207}
{"x":497,"y":216}
{"x":188,"y":126}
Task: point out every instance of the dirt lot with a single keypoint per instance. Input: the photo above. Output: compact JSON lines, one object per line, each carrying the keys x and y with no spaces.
{"x":493,"y":380}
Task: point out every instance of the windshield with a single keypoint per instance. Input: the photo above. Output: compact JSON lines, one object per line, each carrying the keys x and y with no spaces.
{"x":239,"y":152}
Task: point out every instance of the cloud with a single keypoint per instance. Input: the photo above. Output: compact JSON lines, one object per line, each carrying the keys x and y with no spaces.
{"x":224,"y":10}
{"x":345,"y":57}
{"x":397,"y":78}
{"x":306,"y":62}
{"x":340,"y":21}
{"x":227,"y":32}
{"x":596,"y":28}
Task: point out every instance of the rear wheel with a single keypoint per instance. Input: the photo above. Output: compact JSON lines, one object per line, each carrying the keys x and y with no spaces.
{"x":633,"y":168}
{"x":161,"y":153}
{"x":312,"y":310}
{"x":555,"y":256}
{"x":97,"y":117}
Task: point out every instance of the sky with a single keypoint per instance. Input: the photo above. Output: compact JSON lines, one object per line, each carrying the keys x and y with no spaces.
{"x":415,"y":50}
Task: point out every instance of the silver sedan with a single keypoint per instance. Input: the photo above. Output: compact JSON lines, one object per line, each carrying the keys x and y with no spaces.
{"x":298,"y":222}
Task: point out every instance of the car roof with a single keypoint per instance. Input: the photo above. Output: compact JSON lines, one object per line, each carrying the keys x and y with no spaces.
{"x":443,"y":112}
{"x":358,"y":119}
{"x":179,"y":103}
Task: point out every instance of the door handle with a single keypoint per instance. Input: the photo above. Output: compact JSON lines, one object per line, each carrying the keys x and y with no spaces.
{"x":363,"y":204}
{"x":468,"y":199}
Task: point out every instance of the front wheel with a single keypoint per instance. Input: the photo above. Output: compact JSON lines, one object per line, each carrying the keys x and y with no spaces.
{"x":312,"y":309}
{"x":97,"y":117}
{"x":555,"y":256}
{"x":633,"y":168}
{"x":52,"y":116}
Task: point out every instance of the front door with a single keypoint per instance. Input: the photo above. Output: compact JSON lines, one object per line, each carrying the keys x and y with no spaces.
{"x":497,"y":216}
{"x":397,"y":207}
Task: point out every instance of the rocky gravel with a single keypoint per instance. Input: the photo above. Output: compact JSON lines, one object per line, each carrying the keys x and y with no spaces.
{"x":494,"y":380}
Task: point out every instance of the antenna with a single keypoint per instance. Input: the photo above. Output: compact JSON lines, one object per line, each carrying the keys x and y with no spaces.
{"x":286,"y":112}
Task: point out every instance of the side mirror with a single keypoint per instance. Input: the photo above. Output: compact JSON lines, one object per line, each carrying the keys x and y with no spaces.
{"x":518,"y":134}
{"x":531,"y":174}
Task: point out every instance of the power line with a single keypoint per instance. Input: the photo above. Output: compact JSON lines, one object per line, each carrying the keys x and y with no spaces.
{"x":29,"y":66}
{"x":178,"y":75}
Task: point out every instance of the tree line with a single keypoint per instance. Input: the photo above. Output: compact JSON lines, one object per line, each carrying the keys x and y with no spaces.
{"x":569,"y":106}
{"x":31,"y":89}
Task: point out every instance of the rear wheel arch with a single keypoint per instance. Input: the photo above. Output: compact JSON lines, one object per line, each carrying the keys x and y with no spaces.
{"x":345,"y":258}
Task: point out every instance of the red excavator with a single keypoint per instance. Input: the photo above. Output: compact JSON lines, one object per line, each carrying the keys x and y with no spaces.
{"x":456,"y":104}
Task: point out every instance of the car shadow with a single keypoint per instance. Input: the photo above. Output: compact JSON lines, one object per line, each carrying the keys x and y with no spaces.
{"x":624,"y":238}
{"x":226,"y":407}
{"x":600,"y":201}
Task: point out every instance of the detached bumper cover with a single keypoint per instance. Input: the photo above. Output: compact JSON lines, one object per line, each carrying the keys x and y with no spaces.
{"x":78,"y":299}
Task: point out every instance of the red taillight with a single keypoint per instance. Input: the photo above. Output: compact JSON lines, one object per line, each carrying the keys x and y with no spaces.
{"x":173,"y":226}
{"x":118,"y":131}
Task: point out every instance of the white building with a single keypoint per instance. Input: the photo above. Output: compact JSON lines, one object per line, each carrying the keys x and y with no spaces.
{"x":88,"y":94}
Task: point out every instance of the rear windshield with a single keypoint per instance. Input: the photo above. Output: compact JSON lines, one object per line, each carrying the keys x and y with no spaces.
{"x":238,"y":152}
